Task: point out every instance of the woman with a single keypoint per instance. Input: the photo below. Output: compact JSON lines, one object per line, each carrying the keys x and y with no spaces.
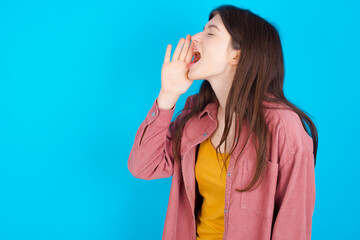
{"x":268,"y":191}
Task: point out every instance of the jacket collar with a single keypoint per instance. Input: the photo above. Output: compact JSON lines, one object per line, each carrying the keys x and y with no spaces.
{"x":210,"y":109}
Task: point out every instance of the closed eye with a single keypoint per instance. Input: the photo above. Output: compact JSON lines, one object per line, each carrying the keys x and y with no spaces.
{"x":210,"y":34}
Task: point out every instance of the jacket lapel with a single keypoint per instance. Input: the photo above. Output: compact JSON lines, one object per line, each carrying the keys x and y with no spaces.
{"x":199,"y":129}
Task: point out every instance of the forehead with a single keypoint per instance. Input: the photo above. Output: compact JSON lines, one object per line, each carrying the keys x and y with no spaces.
{"x":222,"y":33}
{"x":216,"y":20}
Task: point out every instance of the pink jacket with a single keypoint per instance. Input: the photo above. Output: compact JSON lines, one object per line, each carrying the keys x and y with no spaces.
{"x":280,"y":208}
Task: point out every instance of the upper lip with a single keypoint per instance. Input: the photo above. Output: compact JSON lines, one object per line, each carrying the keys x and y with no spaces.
{"x":195,"y":48}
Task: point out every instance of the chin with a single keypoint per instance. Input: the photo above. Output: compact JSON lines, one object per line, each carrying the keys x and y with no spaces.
{"x":193,"y":76}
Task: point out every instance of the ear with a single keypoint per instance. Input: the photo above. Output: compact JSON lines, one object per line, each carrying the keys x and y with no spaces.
{"x":234,"y":57}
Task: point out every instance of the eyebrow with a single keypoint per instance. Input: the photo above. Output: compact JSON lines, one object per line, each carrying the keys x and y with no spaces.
{"x":212,"y":26}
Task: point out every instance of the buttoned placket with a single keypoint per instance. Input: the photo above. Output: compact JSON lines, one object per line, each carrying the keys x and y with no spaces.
{"x":228,"y":184}
{"x":204,"y":137}
{"x":227,"y":189}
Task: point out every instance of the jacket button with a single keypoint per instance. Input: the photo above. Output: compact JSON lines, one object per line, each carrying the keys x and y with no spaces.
{"x":204,"y":134}
{"x":153,"y":114}
{"x":229,"y":174}
{"x":225,"y":210}
{"x":236,"y":139}
{"x":211,"y":114}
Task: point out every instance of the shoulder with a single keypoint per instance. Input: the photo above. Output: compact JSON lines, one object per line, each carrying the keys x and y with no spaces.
{"x":191,"y":100}
{"x":287,"y":130}
{"x":280,"y":115}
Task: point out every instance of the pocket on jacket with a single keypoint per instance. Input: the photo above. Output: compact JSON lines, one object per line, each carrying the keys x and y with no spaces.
{"x":262,"y":199}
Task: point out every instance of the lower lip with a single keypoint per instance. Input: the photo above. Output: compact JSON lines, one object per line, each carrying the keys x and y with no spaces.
{"x":192,"y":64}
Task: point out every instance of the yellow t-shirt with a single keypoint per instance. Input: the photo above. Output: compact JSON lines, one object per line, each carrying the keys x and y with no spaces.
{"x":210,"y":218}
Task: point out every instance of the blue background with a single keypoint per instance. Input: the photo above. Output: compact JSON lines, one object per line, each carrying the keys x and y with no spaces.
{"x":77,"y":78}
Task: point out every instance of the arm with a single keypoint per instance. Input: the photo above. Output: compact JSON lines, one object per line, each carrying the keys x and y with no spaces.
{"x":295,"y":194}
{"x":151,"y":155}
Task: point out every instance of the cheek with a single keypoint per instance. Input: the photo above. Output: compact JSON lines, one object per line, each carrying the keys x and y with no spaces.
{"x":216,"y":52}
{"x":216,"y":58}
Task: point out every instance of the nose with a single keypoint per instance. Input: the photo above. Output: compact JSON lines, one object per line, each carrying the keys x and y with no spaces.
{"x":195,"y":38}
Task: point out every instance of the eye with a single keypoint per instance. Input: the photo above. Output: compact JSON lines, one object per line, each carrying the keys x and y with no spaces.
{"x":210,"y":34}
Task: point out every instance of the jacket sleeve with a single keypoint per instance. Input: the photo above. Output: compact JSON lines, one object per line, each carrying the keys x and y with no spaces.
{"x":151,"y":154}
{"x":295,"y":193}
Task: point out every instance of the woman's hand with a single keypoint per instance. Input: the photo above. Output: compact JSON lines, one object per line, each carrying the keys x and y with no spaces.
{"x":174,"y":74}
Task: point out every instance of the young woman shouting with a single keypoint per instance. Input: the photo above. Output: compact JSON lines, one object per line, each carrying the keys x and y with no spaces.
{"x":240,"y":156}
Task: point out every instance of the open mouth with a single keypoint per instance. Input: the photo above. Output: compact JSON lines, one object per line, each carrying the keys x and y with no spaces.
{"x":196,"y":57}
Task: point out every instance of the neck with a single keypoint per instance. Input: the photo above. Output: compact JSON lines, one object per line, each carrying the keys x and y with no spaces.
{"x":221,"y":85}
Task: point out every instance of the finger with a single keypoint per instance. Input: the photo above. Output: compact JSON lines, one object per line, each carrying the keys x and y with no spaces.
{"x":189,"y":53}
{"x":178,"y":49}
{"x":185,"y":48}
{"x":167,"y":53}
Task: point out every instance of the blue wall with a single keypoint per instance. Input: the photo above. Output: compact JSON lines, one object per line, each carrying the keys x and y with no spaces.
{"x":78,"y":77}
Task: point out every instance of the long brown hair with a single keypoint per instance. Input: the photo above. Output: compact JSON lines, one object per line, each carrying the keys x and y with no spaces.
{"x":260,"y":70}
